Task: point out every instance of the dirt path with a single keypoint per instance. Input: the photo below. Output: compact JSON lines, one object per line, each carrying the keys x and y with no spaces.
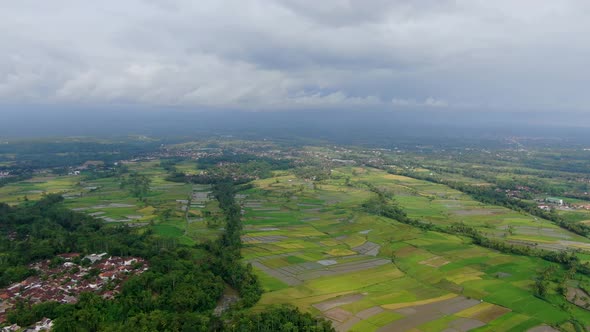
{"x":341,"y":300}
{"x":229,"y":297}
{"x":543,"y":328}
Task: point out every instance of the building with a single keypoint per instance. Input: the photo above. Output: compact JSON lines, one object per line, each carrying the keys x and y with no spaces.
{"x":44,"y":325}
{"x":95,"y":257}
{"x":11,"y":328}
{"x":554,"y":200}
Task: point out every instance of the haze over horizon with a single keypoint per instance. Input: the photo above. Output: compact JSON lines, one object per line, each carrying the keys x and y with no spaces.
{"x":508,"y":61}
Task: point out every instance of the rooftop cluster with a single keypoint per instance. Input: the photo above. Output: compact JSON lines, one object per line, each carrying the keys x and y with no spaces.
{"x":65,"y":277}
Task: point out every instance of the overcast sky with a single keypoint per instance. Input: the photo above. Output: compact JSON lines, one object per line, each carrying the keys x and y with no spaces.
{"x":510,"y":55}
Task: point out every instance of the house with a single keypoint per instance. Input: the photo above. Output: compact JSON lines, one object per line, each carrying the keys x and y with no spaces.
{"x":14,"y":287}
{"x":129,"y":262}
{"x":582,"y":206}
{"x":95,"y":257}
{"x":44,"y":325}
{"x":11,"y":328}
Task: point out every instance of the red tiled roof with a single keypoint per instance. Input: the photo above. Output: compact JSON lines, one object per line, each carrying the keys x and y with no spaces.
{"x":68,"y":286}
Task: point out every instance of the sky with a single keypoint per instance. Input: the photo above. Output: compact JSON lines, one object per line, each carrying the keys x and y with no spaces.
{"x":257,"y":55}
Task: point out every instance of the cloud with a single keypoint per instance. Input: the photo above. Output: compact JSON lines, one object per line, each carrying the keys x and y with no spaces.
{"x":428,"y":102}
{"x":266,"y":55}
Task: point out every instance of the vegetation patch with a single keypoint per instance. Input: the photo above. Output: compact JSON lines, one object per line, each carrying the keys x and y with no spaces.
{"x":167,"y":230}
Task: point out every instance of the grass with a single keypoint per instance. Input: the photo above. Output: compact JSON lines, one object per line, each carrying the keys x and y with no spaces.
{"x":269,"y":283}
{"x":167,"y":230}
{"x":295,"y":260}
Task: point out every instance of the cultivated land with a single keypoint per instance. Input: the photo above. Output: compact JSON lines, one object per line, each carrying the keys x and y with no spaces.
{"x":164,"y":208}
{"x":313,"y":245}
{"x":531,"y":174}
{"x":440,"y":204}
{"x":315,"y":248}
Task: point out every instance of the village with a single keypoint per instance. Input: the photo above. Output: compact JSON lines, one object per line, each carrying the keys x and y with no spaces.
{"x":546,"y":203}
{"x":557,"y":203}
{"x":65,"y":277}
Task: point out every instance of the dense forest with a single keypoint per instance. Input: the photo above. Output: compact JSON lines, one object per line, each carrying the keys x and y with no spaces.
{"x":225,"y":252}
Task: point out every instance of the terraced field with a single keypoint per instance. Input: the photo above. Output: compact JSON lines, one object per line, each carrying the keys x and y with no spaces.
{"x":440,"y":204}
{"x":312,"y":245}
{"x":317,"y":249}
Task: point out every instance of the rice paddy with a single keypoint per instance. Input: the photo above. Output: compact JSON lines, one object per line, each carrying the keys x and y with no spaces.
{"x":313,"y":246}
{"x":368,"y":273}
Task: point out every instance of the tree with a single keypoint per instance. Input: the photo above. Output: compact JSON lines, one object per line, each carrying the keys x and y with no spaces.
{"x":137,"y":184}
{"x":540,"y":288}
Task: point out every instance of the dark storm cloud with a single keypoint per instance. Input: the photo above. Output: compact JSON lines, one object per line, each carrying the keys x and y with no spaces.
{"x":291,"y":54}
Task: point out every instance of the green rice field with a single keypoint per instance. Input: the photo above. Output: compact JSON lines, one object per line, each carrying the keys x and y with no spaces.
{"x":313,"y":246}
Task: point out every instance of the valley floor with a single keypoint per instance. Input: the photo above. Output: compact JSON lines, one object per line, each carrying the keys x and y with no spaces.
{"x":314,"y":247}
